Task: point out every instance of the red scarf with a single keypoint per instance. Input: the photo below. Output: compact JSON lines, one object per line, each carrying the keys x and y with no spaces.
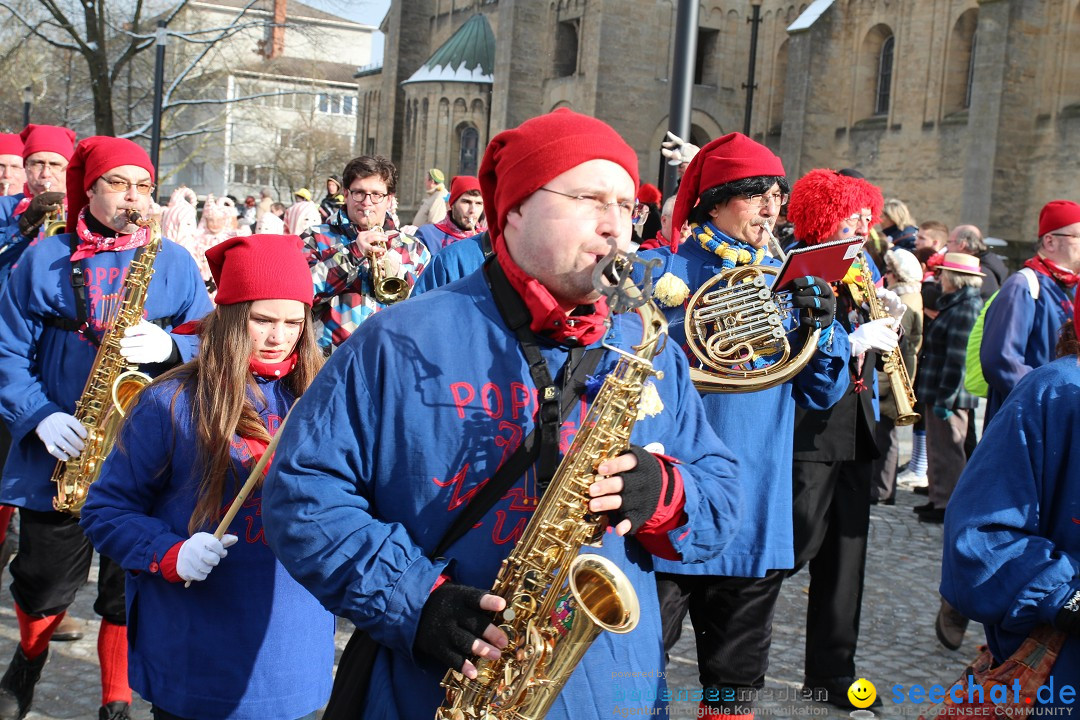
{"x":449,"y":227}
{"x":91,"y":243}
{"x":654,"y":242}
{"x":1052,"y":270}
{"x":270,"y":372}
{"x":548,"y":318}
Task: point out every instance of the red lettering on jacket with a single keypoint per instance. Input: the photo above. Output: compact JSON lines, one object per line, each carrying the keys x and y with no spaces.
{"x":487,"y":391}
{"x":515,"y":533}
{"x":520,"y":399}
{"x":463,"y":394}
{"x":458,"y":498}
{"x":510,"y":442}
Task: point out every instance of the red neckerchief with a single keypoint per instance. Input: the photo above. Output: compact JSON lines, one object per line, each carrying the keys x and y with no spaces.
{"x":654,"y":242}
{"x":548,"y":319}
{"x":270,"y":372}
{"x":91,"y":243}
{"x":1052,"y":270}
{"x":451,"y":228}
{"x":21,"y":206}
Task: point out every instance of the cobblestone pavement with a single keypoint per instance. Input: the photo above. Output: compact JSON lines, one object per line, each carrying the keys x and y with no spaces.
{"x":897,"y":642}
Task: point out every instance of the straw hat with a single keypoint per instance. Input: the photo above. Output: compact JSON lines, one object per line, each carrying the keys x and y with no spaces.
{"x":961,"y":263}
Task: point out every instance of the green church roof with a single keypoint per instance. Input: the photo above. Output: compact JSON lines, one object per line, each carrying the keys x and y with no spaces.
{"x":468,"y":56}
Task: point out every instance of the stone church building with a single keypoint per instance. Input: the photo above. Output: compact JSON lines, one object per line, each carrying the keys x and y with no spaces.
{"x":968,"y":110}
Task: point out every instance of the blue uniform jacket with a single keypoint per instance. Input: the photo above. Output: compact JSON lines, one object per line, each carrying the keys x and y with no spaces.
{"x":450,"y":264}
{"x":43,"y":369}
{"x":1012,"y":532}
{"x":394,"y":437}
{"x":758,"y":426}
{"x":246,"y":643}
{"x":12,"y":243}
{"x":1020,"y":334}
{"x":435,"y":239}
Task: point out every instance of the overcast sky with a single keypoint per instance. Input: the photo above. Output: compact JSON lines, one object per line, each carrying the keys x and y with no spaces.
{"x":369,"y":12}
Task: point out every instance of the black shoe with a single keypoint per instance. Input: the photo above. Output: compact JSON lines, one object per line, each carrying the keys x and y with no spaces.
{"x":920,"y":509}
{"x":921,"y":489}
{"x":17,"y":685}
{"x":116,"y":710}
{"x":833,"y":690}
{"x":933,"y":515}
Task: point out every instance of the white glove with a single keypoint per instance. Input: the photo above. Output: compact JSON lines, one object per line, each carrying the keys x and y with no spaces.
{"x":892,"y":303}
{"x":146,"y":343}
{"x":874,"y":335}
{"x":200,"y":554}
{"x":63,"y":435}
{"x":677,"y":150}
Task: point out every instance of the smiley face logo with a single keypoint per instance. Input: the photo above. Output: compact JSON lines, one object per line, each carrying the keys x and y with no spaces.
{"x":862,"y":693}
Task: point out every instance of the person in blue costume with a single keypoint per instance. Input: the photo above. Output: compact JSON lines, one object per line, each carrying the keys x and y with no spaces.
{"x":731,"y":188}
{"x":245,"y":641}
{"x":424,"y":402}
{"x":454,"y":262}
{"x":1011,"y":555}
{"x":50,"y":327}
{"x":1020,"y":330}
{"x":464,"y":219}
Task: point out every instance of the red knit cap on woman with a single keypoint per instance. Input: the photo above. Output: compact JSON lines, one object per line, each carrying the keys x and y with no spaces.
{"x":260,"y":267}
{"x":94,"y":157}
{"x":821,"y":199}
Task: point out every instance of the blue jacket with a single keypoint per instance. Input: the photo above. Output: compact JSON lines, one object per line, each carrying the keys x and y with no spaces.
{"x":43,"y":369}
{"x":1020,"y":334}
{"x":1012,"y":541}
{"x":12,"y":243}
{"x":758,"y":427}
{"x":435,"y":238}
{"x":247,"y":642}
{"x":450,"y":264}
{"x":394,"y":436}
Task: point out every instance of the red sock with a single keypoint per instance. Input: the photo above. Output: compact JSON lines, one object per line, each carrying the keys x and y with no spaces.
{"x":112,"y":655}
{"x":34,"y":632}
{"x":6,"y":511}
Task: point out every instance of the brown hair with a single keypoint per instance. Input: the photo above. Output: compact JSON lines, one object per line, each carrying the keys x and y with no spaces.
{"x":367,"y":166}
{"x":218,"y":380}
{"x":1067,"y":343}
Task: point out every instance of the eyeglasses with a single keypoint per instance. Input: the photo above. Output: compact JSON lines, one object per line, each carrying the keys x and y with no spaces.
{"x":39,"y":165}
{"x":857,"y":218}
{"x":760,"y":201}
{"x":375,"y":197}
{"x":121,"y":186}
{"x":1065,"y":235}
{"x":627,"y":208}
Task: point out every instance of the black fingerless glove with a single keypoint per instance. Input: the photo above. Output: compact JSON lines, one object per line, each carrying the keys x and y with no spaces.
{"x":449,"y":624}
{"x":1068,"y":617}
{"x":35,"y":212}
{"x":815,"y":298}
{"x":641,"y":490}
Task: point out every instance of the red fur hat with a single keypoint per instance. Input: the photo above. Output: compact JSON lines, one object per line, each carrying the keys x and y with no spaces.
{"x":821,"y":199}
{"x":11,"y":144}
{"x":94,"y":157}
{"x":260,"y":267}
{"x":461,"y":184}
{"x":47,"y":138}
{"x":649,"y":194}
{"x":731,"y":157}
{"x":520,"y":161}
{"x":1056,"y":214}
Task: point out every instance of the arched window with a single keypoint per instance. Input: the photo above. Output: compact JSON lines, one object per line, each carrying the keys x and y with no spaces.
{"x":469,"y":142}
{"x":960,"y":64}
{"x":566,"y":48}
{"x":884,"y":76}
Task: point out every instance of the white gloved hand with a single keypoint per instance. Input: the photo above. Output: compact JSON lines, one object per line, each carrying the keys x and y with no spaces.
{"x":146,"y":343}
{"x":63,"y":435}
{"x":893,"y":305}
{"x":200,"y":554}
{"x":677,"y":150}
{"x":874,"y":335}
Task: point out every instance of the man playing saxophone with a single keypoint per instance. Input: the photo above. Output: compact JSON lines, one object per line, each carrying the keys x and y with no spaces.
{"x":423,"y":419}
{"x":731,"y":194}
{"x":358,"y":238}
{"x":54,"y":310}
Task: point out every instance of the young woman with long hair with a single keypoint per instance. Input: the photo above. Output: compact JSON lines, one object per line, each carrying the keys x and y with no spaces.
{"x":244,"y":640}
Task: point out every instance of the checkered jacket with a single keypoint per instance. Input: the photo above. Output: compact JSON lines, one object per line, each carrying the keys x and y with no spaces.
{"x":940,"y":380}
{"x":339,"y":271}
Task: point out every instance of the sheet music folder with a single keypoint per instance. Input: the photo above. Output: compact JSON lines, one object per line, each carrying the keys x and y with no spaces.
{"x":829,"y":261}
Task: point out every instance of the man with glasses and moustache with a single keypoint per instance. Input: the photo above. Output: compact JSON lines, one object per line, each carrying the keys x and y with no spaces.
{"x":52,"y":321}
{"x":339,"y":250}
{"x":1020,"y":329}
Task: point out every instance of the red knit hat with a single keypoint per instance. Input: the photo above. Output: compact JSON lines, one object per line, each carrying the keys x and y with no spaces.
{"x":94,"y":157}
{"x":260,"y":267}
{"x":1056,"y":214}
{"x":649,"y":194}
{"x":11,"y":144}
{"x":822,"y":198}
{"x":461,"y":184}
{"x":731,"y":157}
{"x":47,"y":138}
{"x":518,"y":162}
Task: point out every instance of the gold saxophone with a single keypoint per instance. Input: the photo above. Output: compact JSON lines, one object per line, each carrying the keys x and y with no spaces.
{"x":892,"y":362}
{"x":112,"y":385}
{"x":557,"y":600}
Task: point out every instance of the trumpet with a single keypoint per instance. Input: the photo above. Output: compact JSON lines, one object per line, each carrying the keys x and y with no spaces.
{"x":55,"y":223}
{"x":387,"y":290}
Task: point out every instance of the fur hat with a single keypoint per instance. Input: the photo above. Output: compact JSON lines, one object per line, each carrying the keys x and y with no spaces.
{"x":822,"y":199}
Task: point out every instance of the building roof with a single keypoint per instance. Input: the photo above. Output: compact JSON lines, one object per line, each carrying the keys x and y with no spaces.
{"x":810,"y":15}
{"x":295,"y":10}
{"x":468,"y":56}
{"x":300,"y":69}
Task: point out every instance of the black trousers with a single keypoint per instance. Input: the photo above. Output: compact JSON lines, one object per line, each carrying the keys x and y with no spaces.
{"x":831,"y":515}
{"x":732,"y":618}
{"x":53,"y":562}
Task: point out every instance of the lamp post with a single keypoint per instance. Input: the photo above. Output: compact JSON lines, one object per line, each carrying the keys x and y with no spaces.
{"x":682,"y":82}
{"x":750,"y":84}
{"x":27,"y":98}
{"x":159,"y":85}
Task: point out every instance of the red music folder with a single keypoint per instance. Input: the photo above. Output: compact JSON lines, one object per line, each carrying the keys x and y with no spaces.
{"x":829,"y":261}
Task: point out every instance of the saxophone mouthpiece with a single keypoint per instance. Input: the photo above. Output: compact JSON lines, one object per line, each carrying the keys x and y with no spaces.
{"x":135,"y":218}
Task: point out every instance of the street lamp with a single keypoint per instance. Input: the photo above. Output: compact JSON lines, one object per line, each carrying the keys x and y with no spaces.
{"x":27,"y":98}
